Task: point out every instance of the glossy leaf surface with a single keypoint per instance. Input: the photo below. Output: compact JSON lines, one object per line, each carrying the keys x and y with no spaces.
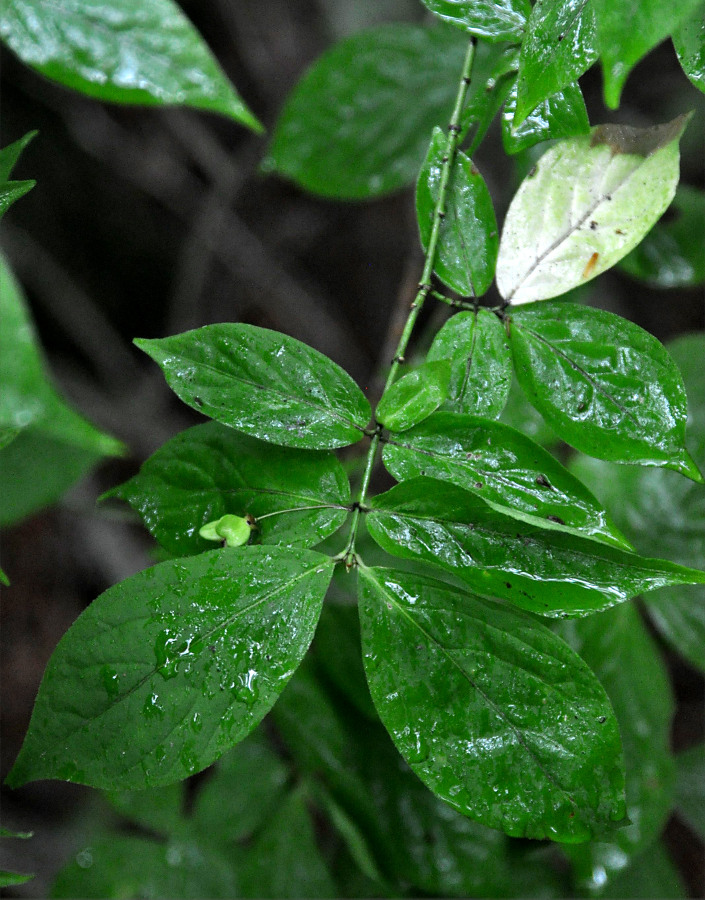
{"x":210,"y":470}
{"x":561,"y":115}
{"x":467,"y":243}
{"x":12,"y":190}
{"x":588,"y":201}
{"x":664,"y":513}
{"x":502,"y":720}
{"x":170,"y":668}
{"x":505,"y":468}
{"x":546,"y":572}
{"x":558,"y":47}
{"x":285,"y":860}
{"x":481,"y":365}
{"x":379,"y":100}
{"x":491,"y":20}
{"x":673,"y":253}
{"x":414,"y":396}
{"x":263,"y":383}
{"x":606,"y":386}
{"x":493,"y":70}
{"x":690,"y":46}
{"x":627,"y":30}
{"x":124,"y":51}
{"x":619,"y":650}
{"x":117,"y":866}
{"x":525,"y":418}
{"x":690,"y":787}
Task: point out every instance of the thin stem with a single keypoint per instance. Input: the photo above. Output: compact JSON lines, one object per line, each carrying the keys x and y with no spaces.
{"x":424,"y":285}
{"x":451,"y":301}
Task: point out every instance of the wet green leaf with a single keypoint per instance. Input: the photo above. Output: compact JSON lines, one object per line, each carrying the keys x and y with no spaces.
{"x":561,"y":115}
{"x":604,"y":385}
{"x":242,"y":792}
{"x":558,"y":47}
{"x":467,"y":243}
{"x":380,"y":93}
{"x":263,"y":383}
{"x":12,"y":190}
{"x":673,"y":253}
{"x":520,"y":414}
{"x":588,"y":201}
{"x":491,"y":20}
{"x":478,"y":349}
{"x":493,"y":70}
{"x":690,"y":787}
{"x":619,"y":650}
{"x":546,"y":572}
{"x":119,"y":866}
{"x":285,"y":860}
{"x":628,"y":30}
{"x":211,"y":470}
{"x":124,"y":51}
{"x":690,"y":46}
{"x":505,"y":468}
{"x":414,"y":396}
{"x":157,"y":809}
{"x":170,"y":668}
{"x":490,"y":709}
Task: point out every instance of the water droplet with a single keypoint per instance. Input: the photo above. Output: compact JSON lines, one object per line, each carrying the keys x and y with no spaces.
{"x":196,"y":723}
{"x":111,"y":681}
{"x":419,"y":751}
{"x":84,"y":859}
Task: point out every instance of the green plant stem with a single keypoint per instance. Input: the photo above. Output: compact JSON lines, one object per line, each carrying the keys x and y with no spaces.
{"x":348,"y":555}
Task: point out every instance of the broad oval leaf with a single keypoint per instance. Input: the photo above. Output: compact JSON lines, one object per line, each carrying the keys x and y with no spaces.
{"x":627,"y":31}
{"x":588,"y":201}
{"x":467,"y":243}
{"x":673,"y":253}
{"x":477,"y":347}
{"x":263,"y":383}
{"x":505,"y":468}
{"x":415,"y":396}
{"x":619,"y":649}
{"x":604,"y":385}
{"x":122,"y":51}
{"x":170,"y":668}
{"x":491,"y":20}
{"x":491,"y":710}
{"x":690,"y":47}
{"x":380,"y":93}
{"x":298,"y":497}
{"x":547,"y":572}
{"x":561,"y":115}
{"x":558,"y":47}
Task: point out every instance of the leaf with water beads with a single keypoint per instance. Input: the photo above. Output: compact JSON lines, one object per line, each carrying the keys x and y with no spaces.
{"x":167,"y":670}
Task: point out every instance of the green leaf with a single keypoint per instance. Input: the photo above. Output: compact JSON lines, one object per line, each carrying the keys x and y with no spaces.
{"x":652,"y":876}
{"x":9,"y":878}
{"x":561,"y":115}
{"x":170,"y":668}
{"x":491,"y":20}
{"x":12,"y":190}
{"x":9,"y":833}
{"x":664,"y":513}
{"x":285,"y":860}
{"x":673,"y":253}
{"x":588,"y":201}
{"x":467,"y":243}
{"x":263,"y":383}
{"x":119,"y":866}
{"x":559,"y":46}
{"x":4,"y":579}
{"x":546,"y":572}
{"x":124,"y":51}
{"x":690,"y":787}
{"x":508,"y":470}
{"x":414,"y":396}
{"x":620,"y":651}
{"x":380,"y":93}
{"x":627,"y":30}
{"x":157,"y":809}
{"x":502,"y":720}
{"x":478,"y":349}
{"x":298,"y":497}
{"x":604,"y":385}
{"x":520,"y":414}
{"x":690,"y":47}
{"x":242,"y":793}
{"x":493,"y":70}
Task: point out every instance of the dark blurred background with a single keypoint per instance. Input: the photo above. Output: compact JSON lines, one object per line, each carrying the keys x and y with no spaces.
{"x":149,"y":222}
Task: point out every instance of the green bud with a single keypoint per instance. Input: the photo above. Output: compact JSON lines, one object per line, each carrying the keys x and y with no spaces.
{"x":234,"y":530}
